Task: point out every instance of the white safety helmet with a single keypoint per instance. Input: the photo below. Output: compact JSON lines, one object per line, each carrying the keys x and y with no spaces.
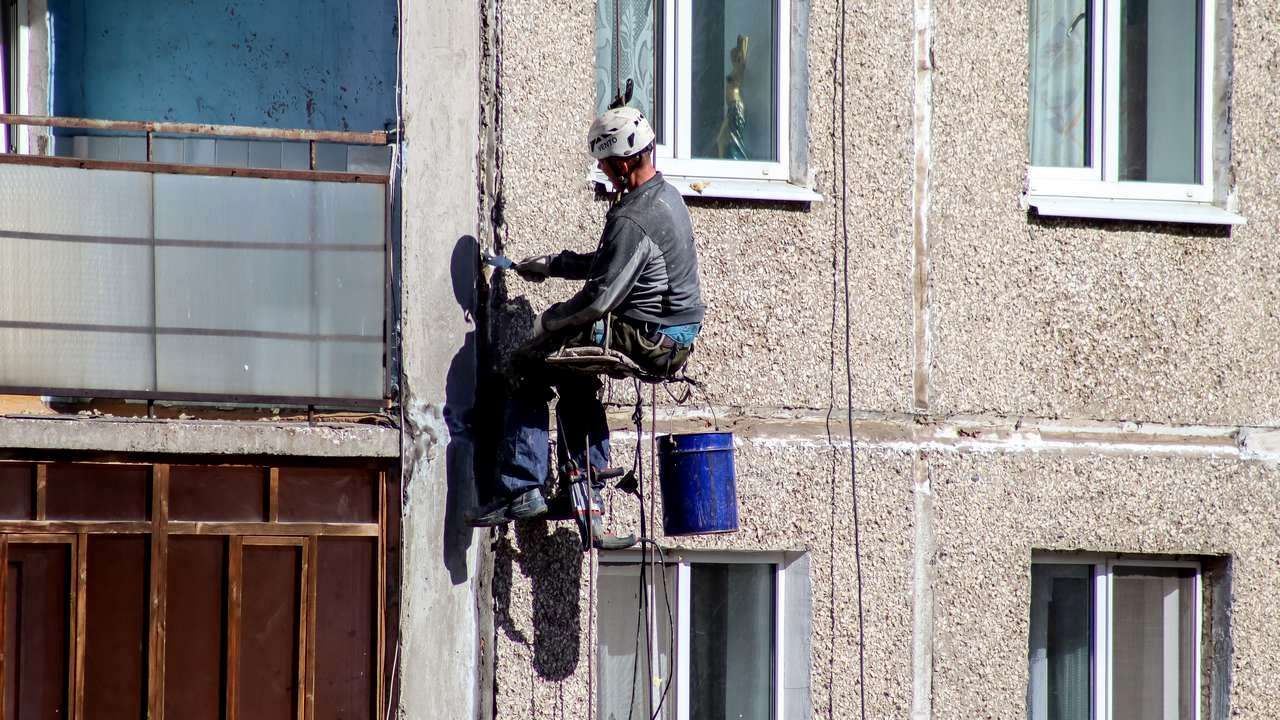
{"x":618,"y":133}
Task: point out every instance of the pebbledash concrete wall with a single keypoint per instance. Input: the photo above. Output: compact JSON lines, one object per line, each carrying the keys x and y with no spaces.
{"x":1018,"y":383}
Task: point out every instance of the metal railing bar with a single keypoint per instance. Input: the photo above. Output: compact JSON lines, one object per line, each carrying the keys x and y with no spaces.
{"x":184,"y":331}
{"x":375,"y":137}
{"x":199,"y":244}
{"x":206,"y":170}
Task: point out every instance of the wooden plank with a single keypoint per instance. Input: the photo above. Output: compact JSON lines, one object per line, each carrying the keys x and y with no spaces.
{"x":75,"y":527}
{"x":42,"y":538}
{"x":159,"y":592}
{"x":391,"y":589}
{"x":307,"y":630}
{"x":272,"y":541}
{"x":4,"y":581}
{"x":235,"y":569}
{"x":203,"y":170}
{"x":381,"y":608}
{"x":301,"y":529}
{"x":42,"y":491}
{"x":80,"y":558}
{"x":345,"y":137}
{"x":273,"y":496}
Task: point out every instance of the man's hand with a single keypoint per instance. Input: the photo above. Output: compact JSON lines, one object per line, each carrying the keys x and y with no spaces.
{"x":534,"y":269}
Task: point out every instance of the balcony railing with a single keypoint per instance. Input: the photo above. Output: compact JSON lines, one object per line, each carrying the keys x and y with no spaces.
{"x":238,"y":270}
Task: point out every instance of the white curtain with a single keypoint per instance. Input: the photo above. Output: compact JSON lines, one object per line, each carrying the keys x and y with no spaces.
{"x":635,"y":28}
{"x":1060,"y":648}
{"x":1059,"y":83}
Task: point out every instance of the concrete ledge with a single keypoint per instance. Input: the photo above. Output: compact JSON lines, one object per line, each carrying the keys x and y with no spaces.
{"x":199,"y":437}
{"x":967,"y":433}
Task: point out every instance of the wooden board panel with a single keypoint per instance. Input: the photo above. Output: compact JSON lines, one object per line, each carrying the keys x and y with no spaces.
{"x":17,"y":491}
{"x":116,"y":627}
{"x":194,"y":668}
{"x":269,"y":632}
{"x":219,"y":494}
{"x":328,"y":495}
{"x":37,"y":633}
{"x":82,"y":491}
{"x":346,"y":620}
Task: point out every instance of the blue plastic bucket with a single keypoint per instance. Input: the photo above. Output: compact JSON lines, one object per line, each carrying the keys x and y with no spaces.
{"x":699,"y":494}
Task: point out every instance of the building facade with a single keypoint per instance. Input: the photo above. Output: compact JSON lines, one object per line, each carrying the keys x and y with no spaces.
{"x":990,"y":315}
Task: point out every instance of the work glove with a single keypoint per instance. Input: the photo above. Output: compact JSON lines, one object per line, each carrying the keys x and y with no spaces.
{"x":534,"y":269}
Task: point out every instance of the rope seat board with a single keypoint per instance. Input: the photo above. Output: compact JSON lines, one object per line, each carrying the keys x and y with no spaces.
{"x":595,"y":360}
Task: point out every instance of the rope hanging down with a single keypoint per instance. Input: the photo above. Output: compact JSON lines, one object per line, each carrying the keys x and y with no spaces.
{"x":839,"y":69}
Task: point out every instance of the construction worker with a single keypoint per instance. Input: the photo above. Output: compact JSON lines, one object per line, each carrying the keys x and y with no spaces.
{"x":642,"y":279}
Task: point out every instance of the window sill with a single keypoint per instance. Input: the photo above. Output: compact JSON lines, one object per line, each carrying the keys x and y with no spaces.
{"x":729,"y":188}
{"x":1144,"y":210}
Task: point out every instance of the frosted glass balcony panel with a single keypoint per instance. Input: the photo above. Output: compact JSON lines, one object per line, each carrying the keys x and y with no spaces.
{"x":183,"y":284}
{"x":236,"y":365}
{"x":92,"y":360}
{"x":273,"y":289}
{"x":339,"y":365}
{"x":75,"y":280}
{"x":350,"y":290}
{"x":78,"y":203}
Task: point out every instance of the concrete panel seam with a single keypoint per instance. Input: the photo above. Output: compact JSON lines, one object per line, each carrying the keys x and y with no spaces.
{"x":922,"y":604}
{"x":922,"y":128}
{"x":784,"y":427}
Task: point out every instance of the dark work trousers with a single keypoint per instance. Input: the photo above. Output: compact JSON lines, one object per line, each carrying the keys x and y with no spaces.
{"x":582,"y":428}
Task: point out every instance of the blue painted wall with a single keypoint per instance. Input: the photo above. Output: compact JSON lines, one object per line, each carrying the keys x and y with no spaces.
{"x":319,"y":64}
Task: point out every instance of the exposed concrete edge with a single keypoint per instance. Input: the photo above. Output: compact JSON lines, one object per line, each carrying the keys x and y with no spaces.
{"x":971,"y":433}
{"x":922,"y":131}
{"x":922,"y":602}
{"x":199,"y":437}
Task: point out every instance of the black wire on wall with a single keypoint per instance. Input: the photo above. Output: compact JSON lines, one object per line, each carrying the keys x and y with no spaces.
{"x":840,"y":274}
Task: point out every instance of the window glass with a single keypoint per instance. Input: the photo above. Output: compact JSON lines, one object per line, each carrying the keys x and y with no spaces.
{"x":1159,"y":90}
{"x":1152,"y":652}
{"x":629,"y":686}
{"x":731,"y":641}
{"x":1059,"y":656}
{"x":637,"y":24}
{"x":1061,"y":33}
{"x":734,"y":85}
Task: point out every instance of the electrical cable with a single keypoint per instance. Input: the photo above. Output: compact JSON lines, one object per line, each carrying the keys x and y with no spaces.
{"x":842,"y":47}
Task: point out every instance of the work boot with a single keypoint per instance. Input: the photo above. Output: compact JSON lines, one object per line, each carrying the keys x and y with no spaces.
{"x":528,"y":504}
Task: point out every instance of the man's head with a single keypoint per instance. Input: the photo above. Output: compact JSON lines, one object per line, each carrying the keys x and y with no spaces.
{"x":622,"y":141}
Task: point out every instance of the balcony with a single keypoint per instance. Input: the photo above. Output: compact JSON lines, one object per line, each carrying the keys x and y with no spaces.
{"x":175,"y":261}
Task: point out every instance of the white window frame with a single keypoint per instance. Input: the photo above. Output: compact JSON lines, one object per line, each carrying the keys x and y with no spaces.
{"x":677,"y":92}
{"x":709,"y":177}
{"x":1100,"y":180}
{"x":1102,"y":572}
{"x":21,"y":100}
{"x":677,"y":696}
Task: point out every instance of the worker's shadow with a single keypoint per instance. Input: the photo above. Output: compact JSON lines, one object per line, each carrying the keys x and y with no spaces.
{"x":459,"y":415}
{"x":551,"y":558}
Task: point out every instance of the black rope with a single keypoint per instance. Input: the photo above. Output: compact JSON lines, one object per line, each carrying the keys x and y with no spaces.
{"x":841,"y":146}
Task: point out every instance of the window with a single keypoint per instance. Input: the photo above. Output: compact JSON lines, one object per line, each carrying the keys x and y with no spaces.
{"x":716,"y":657}
{"x":8,"y":66}
{"x":1114,"y":640}
{"x":1122,"y":108}
{"x":713,"y":76}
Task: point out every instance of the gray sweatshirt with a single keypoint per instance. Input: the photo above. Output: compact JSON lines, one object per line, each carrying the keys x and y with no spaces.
{"x":645,"y":268}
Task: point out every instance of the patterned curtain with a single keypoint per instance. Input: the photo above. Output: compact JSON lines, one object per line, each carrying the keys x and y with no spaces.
{"x":636,"y":33}
{"x":1059,"y":83}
